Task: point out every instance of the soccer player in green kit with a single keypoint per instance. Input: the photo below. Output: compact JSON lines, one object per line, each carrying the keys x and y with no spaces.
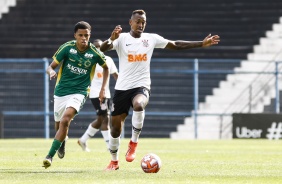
{"x":77,"y":60}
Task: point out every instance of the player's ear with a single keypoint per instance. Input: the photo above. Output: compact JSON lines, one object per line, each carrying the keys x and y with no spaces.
{"x":130,"y":22}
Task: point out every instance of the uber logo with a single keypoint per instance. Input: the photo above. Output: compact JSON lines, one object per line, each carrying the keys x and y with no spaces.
{"x":257,"y":126}
{"x":248,"y":133}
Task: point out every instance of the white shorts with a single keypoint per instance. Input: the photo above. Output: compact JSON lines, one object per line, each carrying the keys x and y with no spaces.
{"x":61,"y":103}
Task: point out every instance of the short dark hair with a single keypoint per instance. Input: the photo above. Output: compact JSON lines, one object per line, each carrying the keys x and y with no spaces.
{"x":140,"y":12}
{"x":81,"y":25}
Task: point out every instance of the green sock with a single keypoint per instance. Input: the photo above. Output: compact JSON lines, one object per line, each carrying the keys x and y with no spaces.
{"x":55,"y":146}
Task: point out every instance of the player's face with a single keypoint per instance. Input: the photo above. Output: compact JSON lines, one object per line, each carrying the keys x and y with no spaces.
{"x":98,"y":44}
{"x":138,"y":24}
{"x":82,"y":37}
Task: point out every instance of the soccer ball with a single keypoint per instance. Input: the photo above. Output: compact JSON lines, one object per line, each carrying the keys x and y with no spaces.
{"x":151,"y":163}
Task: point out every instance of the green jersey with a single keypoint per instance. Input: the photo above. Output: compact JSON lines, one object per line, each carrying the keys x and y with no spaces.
{"x":77,"y":68}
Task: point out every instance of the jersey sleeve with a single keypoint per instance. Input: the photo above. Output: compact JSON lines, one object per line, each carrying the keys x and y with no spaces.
{"x":117,"y":41}
{"x":101,"y":59}
{"x":160,"y":41}
{"x":60,"y":55}
{"x":115,"y":44}
{"x":111,"y":65}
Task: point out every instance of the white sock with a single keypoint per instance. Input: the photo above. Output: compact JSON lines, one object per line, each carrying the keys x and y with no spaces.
{"x":114,"y":146}
{"x":137,"y":124}
{"x":105,"y":134}
{"x":90,"y":132}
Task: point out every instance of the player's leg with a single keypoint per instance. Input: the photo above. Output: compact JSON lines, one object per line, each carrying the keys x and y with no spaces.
{"x":65,"y":123}
{"x":48,"y":160}
{"x":60,"y":135}
{"x":61,"y":151}
{"x":65,"y":108}
{"x":59,"y":109}
{"x":114,"y":140}
{"x":139,"y":103}
{"x":105,"y":124}
{"x":72,"y":112}
{"x":57,"y":124}
{"x":76,"y":102}
{"x":94,"y":126}
{"x":120,"y":108}
{"x":105,"y":129}
{"x":90,"y":132}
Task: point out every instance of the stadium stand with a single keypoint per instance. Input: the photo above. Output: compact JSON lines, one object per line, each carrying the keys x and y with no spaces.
{"x":5,"y":6}
{"x":239,"y":23}
{"x":35,"y":29}
{"x":240,"y":93}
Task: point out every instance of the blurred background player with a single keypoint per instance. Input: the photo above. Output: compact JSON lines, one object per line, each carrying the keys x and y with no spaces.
{"x":77,"y":59}
{"x":132,"y":88}
{"x":102,"y":110}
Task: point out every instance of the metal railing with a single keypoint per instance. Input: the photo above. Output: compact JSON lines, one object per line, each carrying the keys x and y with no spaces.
{"x":196,"y":72}
{"x":263,"y":81}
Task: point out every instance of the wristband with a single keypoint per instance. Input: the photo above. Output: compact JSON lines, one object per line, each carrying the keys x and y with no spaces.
{"x":110,"y":41}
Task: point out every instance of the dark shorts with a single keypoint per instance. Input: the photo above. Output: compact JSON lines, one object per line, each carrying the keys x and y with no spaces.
{"x":122,"y":100}
{"x":102,"y":109}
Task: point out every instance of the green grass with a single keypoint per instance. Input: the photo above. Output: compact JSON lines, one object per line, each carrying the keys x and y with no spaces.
{"x":184,"y":161}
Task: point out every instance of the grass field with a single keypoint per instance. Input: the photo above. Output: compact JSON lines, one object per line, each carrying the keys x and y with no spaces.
{"x":184,"y":161}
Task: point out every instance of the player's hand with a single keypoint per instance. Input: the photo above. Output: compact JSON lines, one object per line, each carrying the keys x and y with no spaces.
{"x":116,"y":32}
{"x":102,"y":96}
{"x":211,"y":40}
{"x":52,"y":75}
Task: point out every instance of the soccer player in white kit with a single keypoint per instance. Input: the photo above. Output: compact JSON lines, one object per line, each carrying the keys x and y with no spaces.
{"x":132,"y":88}
{"x":102,"y":109}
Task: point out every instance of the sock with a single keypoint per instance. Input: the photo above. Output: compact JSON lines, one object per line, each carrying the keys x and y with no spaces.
{"x":105,"y":134}
{"x":137,"y":124}
{"x":90,"y":132}
{"x":55,"y":146}
{"x":113,"y":147}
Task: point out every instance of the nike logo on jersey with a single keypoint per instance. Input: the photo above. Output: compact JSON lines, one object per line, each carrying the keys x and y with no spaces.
{"x":128,"y":44}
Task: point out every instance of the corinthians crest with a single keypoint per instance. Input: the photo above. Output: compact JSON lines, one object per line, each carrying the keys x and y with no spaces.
{"x":145,"y":43}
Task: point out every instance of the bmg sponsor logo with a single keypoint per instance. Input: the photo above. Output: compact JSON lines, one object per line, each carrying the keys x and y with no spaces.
{"x":137,"y":57}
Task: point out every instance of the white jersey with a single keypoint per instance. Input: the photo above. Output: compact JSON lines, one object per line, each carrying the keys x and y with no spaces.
{"x":97,"y":80}
{"x":134,"y":59}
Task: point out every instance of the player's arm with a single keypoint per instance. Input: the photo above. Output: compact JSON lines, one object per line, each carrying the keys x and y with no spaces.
{"x":108,"y":44}
{"x":51,"y":70}
{"x":181,"y":45}
{"x":102,"y":94}
{"x":115,"y":75}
